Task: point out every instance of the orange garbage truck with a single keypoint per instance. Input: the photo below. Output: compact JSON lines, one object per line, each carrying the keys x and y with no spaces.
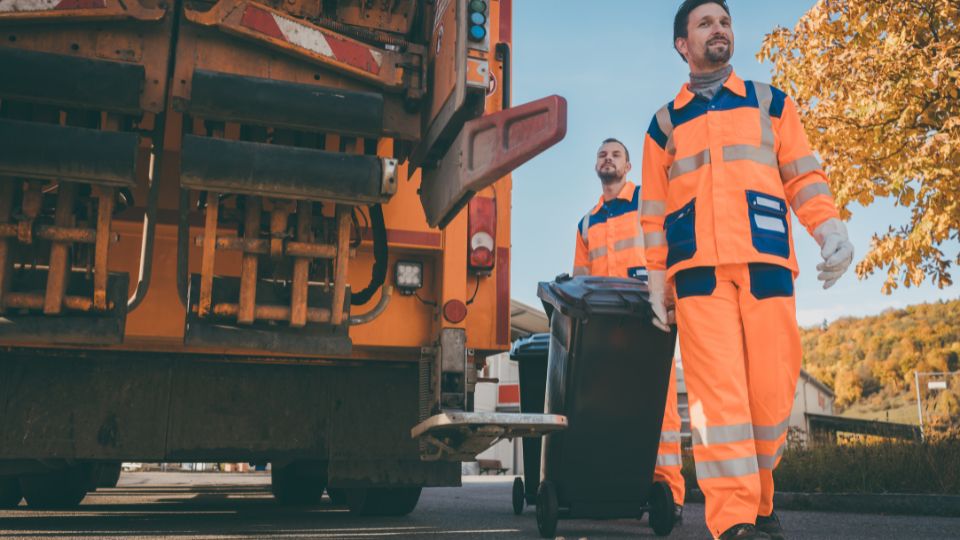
{"x":256,"y":231}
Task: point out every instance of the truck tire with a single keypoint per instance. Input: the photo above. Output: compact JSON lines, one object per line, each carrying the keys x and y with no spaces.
{"x":338,"y":496}
{"x":64,"y":488}
{"x":384,"y":501}
{"x":10,"y":494}
{"x":108,"y":475}
{"x":292,"y":486}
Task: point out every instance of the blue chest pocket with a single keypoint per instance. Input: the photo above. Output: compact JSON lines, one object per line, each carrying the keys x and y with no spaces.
{"x":681,"y":232}
{"x":768,"y":224}
{"x":638,"y":272}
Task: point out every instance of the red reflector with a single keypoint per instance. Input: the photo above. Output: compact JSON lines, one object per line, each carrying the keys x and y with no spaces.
{"x":454,"y":311}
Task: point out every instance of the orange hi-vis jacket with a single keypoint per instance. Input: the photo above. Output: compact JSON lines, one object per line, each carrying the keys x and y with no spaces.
{"x":720,"y":178}
{"x":610,"y":238}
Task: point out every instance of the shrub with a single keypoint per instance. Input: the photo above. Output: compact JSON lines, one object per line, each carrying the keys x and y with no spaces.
{"x":886,"y":467}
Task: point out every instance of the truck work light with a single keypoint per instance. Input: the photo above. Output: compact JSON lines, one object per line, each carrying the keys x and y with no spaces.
{"x":409,"y":276}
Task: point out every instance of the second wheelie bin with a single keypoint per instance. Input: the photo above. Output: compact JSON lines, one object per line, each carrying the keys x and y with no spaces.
{"x":608,"y":373}
{"x":530,"y":353}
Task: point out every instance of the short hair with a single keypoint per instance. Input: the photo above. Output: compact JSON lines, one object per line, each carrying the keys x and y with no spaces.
{"x":682,"y":18}
{"x":618,"y":141}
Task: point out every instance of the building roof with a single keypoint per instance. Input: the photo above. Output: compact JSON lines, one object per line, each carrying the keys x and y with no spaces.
{"x":526,"y":320}
{"x":820,"y":386}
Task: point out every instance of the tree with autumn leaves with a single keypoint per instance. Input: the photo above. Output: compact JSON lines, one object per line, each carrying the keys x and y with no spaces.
{"x":878,"y":85}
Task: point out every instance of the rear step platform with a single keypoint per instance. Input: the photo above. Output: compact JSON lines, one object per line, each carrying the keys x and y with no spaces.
{"x":460,"y":436}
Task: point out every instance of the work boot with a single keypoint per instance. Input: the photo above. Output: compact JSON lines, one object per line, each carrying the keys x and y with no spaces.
{"x":744,"y":531}
{"x":771,"y":525}
{"x":678,"y":514}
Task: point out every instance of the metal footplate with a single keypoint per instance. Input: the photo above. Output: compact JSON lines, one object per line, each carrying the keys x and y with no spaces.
{"x":460,"y":436}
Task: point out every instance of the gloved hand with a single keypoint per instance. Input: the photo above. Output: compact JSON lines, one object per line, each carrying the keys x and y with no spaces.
{"x":836,"y":250}
{"x":661,"y":299}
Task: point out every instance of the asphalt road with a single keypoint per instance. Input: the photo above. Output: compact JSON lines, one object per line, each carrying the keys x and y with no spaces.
{"x":219,"y":506}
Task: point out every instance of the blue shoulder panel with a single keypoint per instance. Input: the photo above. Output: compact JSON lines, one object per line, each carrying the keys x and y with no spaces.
{"x":657,"y":134}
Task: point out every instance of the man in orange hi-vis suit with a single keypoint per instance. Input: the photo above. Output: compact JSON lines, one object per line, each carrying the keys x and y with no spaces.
{"x":610,"y":243}
{"x":723,"y":164}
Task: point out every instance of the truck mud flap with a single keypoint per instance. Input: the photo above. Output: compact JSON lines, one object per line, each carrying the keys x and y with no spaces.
{"x":263,"y":335}
{"x":55,"y":152}
{"x":269,"y":170}
{"x":487,"y":149}
{"x":266,"y":102}
{"x":73,"y":327}
{"x":461,"y":436}
{"x":70,"y":81}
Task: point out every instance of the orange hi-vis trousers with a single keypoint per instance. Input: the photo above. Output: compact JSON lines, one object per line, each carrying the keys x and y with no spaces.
{"x":740,"y":346}
{"x":668,"y":457}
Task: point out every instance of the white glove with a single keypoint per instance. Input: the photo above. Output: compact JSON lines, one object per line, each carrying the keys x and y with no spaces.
{"x":836,"y":250}
{"x":661,"y":300}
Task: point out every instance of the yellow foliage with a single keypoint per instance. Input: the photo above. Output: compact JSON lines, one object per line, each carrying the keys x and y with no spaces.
{"x":877,"y":85}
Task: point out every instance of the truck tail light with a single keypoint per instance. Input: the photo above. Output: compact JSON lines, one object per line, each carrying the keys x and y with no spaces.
{"x":482,"y":234}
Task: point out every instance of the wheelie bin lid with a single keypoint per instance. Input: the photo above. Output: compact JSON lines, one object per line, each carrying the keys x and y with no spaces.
{"x":583,"y":296}
{"x":534,"y":345}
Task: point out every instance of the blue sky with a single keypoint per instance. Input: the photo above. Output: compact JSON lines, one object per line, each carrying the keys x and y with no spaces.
{"x":613,"y":62}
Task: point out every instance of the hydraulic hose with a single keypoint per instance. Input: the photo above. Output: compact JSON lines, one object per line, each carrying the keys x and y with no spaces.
{"x":380,"y":254}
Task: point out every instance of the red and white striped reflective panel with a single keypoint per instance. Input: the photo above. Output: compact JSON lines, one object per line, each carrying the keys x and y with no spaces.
{"x":8,"y":6}
{"x":310,"y":38}
{"x":508,"y":394}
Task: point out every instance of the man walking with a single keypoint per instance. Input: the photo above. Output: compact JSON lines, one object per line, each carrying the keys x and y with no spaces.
{"x":610,"y":243}
{"x":723,"y":164}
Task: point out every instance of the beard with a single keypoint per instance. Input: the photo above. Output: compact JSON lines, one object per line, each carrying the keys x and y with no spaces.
{"x":609,"y":176}
{"x":719,"y":55}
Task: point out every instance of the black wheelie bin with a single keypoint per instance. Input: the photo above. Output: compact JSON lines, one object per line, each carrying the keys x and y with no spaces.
{"x":608,"y":372}
{"x":531,"y":356}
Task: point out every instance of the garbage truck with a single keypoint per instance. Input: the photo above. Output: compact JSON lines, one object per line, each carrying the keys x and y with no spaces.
{"x":267,"y":231}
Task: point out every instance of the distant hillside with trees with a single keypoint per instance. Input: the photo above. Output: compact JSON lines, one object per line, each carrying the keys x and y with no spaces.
{"x":869,"y":362}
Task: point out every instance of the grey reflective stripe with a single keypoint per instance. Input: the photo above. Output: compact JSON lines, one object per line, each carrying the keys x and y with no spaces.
{"x":797,"y":167}
{"x":722,"y":434}
{"x":669,"y":460}
{"x":763,"y":154}
{"x":728,"y":468}
{"x":764,"y":99}
{"x":654,"y":239}
{"x":770,"y":433}
{"x":653,"y":208}
{"x":597,"y":253}
{"x":581,"y":270}
{"x":627,"y":243}
{"x":758,"y":154}
{"x":670,"y":436}
{"x":584,"y":227}
{"x":666,"y":126}
{"x":689,"y":164}
{"x":769,"y":462}
{"x":809,"y":192}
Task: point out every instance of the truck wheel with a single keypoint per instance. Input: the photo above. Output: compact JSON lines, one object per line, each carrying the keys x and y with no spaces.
{"x":661,"y":509}
{"x":392,"y":501}
{"x":109,"y":475}
{"x":292,"y":486}
{"x":519,"y":498}
{"x":59,"y":489}
{"x":338,"y":496}
{"x":548,"y":510}
{"x":10,"y":494}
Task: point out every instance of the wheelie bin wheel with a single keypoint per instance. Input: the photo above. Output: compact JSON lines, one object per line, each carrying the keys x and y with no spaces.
{"x":519,"y":498}
{"x":548,"y":511}
{"x":661,"y":509}
{"x":10,"y":494}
